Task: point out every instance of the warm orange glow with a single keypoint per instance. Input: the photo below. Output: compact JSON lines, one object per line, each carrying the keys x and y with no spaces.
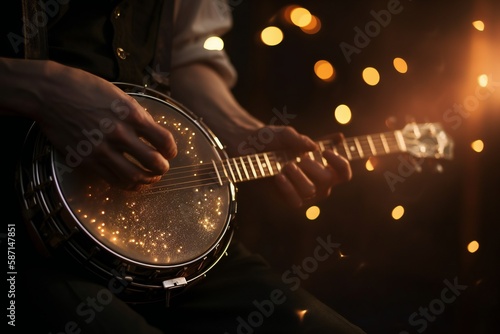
{"x":371,"y":76}
{"x":214,"y":43}
{"x":324,"y":70}
{"x":343,"y":114}
{"x":313,"y":212}
{"x":482,"y":80}
{"x":271,"y":36}
{"x":300,"y":16}
{"x":479,"y":25}
{"x":477,"y":145}
{"x":313,"y":27}
{"x":400,"y":65}
{"x":369,"y":166}
{"x":473,"y":246}
{"x":301,"y":314}
{"x":398,"y":212}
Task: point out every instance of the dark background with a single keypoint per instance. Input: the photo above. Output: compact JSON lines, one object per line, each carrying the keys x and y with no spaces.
{"x":390,"y":268}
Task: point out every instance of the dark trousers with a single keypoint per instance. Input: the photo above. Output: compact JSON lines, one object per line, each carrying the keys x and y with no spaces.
{"x":241,"y":294}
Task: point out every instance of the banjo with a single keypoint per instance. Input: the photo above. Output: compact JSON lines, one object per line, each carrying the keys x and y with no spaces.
{"x":153,"y":241}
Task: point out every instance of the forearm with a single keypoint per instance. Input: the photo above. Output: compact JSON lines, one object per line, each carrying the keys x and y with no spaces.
{"x":202,"y":91}
{"x":22,"y":83}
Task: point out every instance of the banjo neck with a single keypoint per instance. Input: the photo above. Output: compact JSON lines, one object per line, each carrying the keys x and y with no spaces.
{"x":267,"y":164}
{"x":425,"y":140}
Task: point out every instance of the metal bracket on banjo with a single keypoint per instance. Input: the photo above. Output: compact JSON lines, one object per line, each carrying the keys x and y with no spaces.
{"x":173,"y":283}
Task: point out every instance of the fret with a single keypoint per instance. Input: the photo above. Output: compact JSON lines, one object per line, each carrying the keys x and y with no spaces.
{"x":276,"y":158}
{"x":400,"y":140}
{"x":252,"y":167}
{"x":347,"y":152}
{"x":353,"y":150}
{"x":217,"y":172}
{"x":358,"y":146}
{"x":225,"y":171}
{"x":237,"y":168}
{"x":231,"y":171}
{"x":392,"y":142}
{"x":260,"y":165}
{"x":384,"y":142}
{"x":278,"y":166}
{"x":365,"y":147}
{"x":244,"y":168}
{"x":268,"y":163}
{"x":372,"y":145}
{"x":322,"y":149}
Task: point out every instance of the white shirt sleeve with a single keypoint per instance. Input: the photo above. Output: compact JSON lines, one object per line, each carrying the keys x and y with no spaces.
{"x":194,"y":22}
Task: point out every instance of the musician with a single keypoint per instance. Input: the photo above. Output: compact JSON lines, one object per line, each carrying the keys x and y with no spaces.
{"x":92,"y":43}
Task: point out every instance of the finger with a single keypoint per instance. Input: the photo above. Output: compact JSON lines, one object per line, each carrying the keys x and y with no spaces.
{"x":147,"y":156}
{"x":155,"y":134}
{"x":304,"y":187}
{"x":161,"y":139}
{"x":340,"y":166}
{"x":118,"y":170}
{"x":322,"y":176}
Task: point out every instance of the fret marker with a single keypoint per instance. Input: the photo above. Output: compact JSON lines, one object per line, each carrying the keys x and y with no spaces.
{"x":244,"y":168}
{"x":384,"y":142}
{"x":233,"y":179}
{"x":349,"y":156}
{"x":260,"y":165}
{"x":217,"y":172}
{"x":372,"y":145}
{"x":358,"y":146}
{"x":252,"y":167}
{"x":237,"y":168}
{"x":268,"y":164}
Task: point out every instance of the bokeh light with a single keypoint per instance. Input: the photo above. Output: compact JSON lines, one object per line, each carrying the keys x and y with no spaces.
{"x":343,"y":114}
{"x":300,"y":16}
{"x":324,"y":70}
{"x":482,"y":80}
{"x":214,"y":43}
{"x":398,"y":212}
{"x":371,"y":76}
{"x":400,"y":65}
{"x":473,"y":246}
{"x":313,"y":212}
{"x":477,"y":145}
{"x":271,"y":36}
{"x":313,"y":27}
{"x":479,"y":25}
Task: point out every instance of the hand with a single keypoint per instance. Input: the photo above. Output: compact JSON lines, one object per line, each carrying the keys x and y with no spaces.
{"x":308,"y":181}
{"x":78,"y":107}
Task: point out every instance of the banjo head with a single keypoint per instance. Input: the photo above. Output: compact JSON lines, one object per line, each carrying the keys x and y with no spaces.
{"x":176,"y":228}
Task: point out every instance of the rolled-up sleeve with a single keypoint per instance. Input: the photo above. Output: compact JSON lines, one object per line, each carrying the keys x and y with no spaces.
{"x":195,"y":21}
